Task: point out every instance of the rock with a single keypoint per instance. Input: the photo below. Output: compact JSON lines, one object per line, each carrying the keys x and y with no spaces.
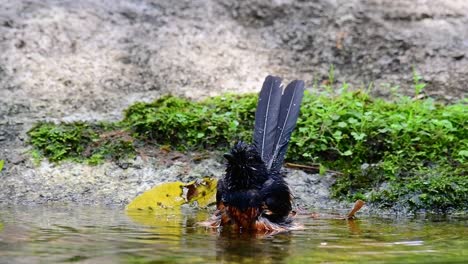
{"x":16,"y":159}
{"x":89,"y":60}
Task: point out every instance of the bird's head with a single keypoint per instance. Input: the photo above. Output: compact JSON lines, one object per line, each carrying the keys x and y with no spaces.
{"x":245,"y":168}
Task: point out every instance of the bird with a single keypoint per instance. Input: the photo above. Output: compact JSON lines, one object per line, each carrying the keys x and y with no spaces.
{"x":253,"y":195}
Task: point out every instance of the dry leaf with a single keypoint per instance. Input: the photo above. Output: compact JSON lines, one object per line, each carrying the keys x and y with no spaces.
{"x":357,"y":206}
{"x":203,"y":192}
{"x":174,"y":194}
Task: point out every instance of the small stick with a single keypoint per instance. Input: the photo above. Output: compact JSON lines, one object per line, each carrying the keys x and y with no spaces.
{"x":313,"y":168}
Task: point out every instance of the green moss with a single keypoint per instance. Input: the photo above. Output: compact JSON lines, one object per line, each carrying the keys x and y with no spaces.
{"x":438,"y":192}
{"x":64,"y":141}
{"x":410,"y":152}
{"x":80,"y":142}
{"x":188,"y":125}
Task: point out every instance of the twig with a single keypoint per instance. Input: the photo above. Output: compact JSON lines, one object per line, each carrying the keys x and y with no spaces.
{"x":311,"y":168}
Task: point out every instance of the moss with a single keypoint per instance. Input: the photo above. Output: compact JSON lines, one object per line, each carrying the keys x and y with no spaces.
{"x":401,"y":151}
{"x":188,"y":125}
{"x":64,"y":141}
{"x":80,"y":142}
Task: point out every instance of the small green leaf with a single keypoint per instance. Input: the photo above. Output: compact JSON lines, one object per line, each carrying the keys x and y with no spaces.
{"x":338,"y":135}
{"x":2,"y":162}
{"x":342,"y":124}
{"x":322,"y":169}
{"x":352,"y":120}
{"x":358,"y":136}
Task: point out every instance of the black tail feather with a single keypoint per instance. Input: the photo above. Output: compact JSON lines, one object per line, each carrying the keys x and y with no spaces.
{"x":253,"y":195}
{"x":266,"y":117}
{"x":288,"y":114}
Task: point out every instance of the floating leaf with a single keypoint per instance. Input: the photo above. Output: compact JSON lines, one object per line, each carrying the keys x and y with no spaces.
{"x":172,"y":195}
{"x":166,"y":195}
{"x":202,"y":192}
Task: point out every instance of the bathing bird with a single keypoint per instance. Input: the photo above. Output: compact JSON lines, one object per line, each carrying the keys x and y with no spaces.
{"x":253,"y":195}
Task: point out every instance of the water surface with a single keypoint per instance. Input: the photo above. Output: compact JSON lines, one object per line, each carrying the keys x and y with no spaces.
{"x":109,"y":235}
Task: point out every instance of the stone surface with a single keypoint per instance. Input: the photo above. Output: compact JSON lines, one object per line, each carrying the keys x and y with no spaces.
{"x":88,"y":60}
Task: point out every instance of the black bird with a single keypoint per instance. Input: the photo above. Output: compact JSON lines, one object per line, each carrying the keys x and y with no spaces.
{"x":253,"y":194}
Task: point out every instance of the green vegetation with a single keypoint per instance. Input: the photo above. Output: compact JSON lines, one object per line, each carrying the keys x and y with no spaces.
{"x":80,"y":142}
{"x":188,"y":125}
{"x":400,"y":152}
{"x":417,"y":147}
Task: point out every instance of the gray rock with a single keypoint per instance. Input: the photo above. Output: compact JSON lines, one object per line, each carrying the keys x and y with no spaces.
{"x":89,"y":60}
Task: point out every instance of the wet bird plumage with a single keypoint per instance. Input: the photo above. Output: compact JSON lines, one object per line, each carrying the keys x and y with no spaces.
{"x":253,"y":194}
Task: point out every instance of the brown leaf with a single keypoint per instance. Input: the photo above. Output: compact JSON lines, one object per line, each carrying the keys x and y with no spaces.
{"x":357,"y":206}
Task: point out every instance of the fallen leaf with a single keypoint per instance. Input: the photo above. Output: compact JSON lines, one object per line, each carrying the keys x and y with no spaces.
{"x":2,"y":162}
{"x":357,"y":206}
{"x":172,"y":195}
{"x":165,"y":195}
{"x":203,"y":192}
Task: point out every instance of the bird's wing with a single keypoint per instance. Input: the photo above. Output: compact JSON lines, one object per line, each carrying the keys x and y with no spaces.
{"x":277,"y":198}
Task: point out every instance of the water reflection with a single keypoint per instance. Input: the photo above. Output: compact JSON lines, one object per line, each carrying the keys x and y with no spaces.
{"x":244,"y":247}
{"x":106,"y":235}
{"x":225,"y":246}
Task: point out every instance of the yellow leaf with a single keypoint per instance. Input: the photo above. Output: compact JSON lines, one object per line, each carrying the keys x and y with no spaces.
{"x":172,"y":195}
{"x":169,"y":224}
{"x":166,"y":195}
{"x":203,"y":192}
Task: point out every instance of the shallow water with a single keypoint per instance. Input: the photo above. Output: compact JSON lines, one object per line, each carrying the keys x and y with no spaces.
{"x":109,"y":235}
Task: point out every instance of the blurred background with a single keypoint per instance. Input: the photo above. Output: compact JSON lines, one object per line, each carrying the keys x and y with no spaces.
{"x":88,"y":60}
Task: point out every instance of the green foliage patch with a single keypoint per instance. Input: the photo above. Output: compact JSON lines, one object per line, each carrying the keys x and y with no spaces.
{"x":404,"y":151}
{"x":80,"y":142}
{"x":188,"y":125}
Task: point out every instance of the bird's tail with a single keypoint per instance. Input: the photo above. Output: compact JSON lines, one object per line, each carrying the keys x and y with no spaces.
{"x":275,"y":119}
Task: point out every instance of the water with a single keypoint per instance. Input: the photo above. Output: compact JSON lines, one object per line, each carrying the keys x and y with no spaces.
{"x":106,"y":235}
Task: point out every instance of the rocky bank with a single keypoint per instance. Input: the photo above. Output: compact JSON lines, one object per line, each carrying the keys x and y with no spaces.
{"x":89,"y":60}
